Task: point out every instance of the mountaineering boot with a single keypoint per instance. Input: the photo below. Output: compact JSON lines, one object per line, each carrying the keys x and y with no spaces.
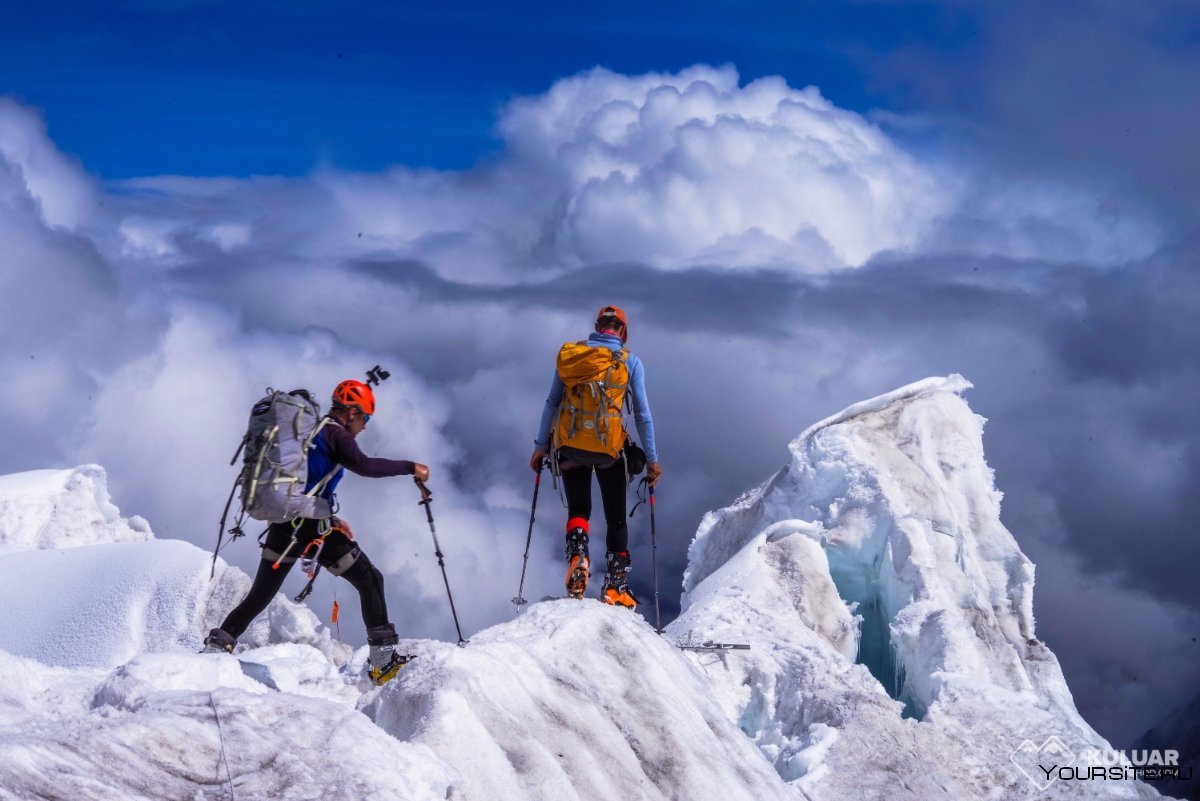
{"x":616,"y":581}
{"x":218,"y":642}
{"x":578,"y":563}
{"x":384,"y":662}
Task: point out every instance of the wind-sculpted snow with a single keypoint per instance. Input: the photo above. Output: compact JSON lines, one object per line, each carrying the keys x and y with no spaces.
{"x":84,"y":586}
{"x":889,"y":614}
{"x":574,"y":700}
{"x":62,"y":508}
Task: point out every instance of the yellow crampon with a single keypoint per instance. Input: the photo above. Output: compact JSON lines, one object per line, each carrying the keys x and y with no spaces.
{"x":381,"y":676}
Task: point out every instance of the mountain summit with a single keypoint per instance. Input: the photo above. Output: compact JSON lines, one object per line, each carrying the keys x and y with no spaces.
{"x":887,"y":611}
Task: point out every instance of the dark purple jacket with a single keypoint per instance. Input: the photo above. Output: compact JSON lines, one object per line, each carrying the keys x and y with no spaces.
{"x":335,"y":448}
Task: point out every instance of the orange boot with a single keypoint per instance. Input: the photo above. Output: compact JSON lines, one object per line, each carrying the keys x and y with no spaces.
{"x":616,"y":581}
{"x":578,"y":563}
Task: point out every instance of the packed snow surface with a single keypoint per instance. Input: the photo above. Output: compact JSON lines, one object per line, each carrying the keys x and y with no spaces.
{"x":888,"y":614}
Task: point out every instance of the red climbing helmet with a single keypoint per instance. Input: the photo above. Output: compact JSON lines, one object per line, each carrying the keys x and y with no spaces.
{"x":610,"y":315}
{"x":354,"y":393}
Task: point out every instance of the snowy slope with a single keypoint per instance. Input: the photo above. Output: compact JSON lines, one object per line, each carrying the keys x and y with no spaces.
{"x":185,"y":726}
{"x":888,"y":612}
{"x":929,"y":677}
{"x":84,"y":586}
{"x":105,"y":696}
{"x":574,"y":700}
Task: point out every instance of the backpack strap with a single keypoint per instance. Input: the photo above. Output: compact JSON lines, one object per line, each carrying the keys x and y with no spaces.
{"x":600,"y":393}
{"x":312,"y":440}
{"x":320,"y":485}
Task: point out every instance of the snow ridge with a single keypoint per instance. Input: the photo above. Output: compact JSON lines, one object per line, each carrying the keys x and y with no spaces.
{"x":887,"y":609}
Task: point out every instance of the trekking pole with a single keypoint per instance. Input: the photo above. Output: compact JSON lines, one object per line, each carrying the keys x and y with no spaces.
{"x":654,"y":563}
{"x":426,"y":501}
{"x":537,"y":484}
{"x":236,"y":530}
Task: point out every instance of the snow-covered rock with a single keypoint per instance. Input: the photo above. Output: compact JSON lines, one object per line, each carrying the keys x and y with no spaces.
{"x":925,"y":679}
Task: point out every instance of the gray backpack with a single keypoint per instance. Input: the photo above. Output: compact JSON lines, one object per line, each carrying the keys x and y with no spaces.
{"x":282,"y":429}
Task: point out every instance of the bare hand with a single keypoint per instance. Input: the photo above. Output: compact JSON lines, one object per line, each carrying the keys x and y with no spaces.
{"x":420,"y":472}
{"x":653,"y":472}
{"x":535,"y":461}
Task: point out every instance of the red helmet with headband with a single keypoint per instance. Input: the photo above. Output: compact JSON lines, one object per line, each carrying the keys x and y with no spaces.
{"x":610,"y":315}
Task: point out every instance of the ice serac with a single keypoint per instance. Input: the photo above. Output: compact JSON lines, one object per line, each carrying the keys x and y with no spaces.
{"x":889,"y":613}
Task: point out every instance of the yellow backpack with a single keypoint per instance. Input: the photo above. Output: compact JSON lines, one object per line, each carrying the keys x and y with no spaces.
{"x":595,"y":381}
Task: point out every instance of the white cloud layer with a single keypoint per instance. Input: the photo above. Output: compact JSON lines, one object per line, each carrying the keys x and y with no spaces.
{"x":678,"y":169}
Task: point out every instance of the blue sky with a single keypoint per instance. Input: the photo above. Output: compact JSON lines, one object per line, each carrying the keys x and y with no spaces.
{"x":272,"y":87}
{"x":1007,"y":189}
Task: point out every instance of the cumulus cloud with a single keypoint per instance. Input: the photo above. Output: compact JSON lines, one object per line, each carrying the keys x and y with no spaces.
{"x":56,"y":184}
{"x":678,"y":169}
{"x":780,"y":258}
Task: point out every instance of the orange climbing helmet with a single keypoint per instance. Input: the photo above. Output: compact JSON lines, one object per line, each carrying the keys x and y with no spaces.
{"x":613,"y":314}
{"x":354,"y":393}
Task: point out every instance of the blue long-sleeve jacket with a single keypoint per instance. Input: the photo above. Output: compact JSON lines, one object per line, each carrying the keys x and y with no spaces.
{"x":637,"y":395}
